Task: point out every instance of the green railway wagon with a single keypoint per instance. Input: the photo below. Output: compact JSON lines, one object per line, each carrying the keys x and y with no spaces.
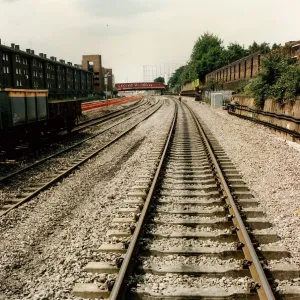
{"x":20,"y":109}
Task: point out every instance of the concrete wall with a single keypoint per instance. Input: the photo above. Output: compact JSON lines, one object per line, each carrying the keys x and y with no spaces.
{"x":271,"y":106}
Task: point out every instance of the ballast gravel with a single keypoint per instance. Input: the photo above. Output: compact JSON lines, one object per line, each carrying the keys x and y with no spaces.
{"x":171,"y":283}
{"x":199,"y":260}
{"x":46,"y":242}
{"x":165,"y":244}
{"x":168,"y":229}
{"x":270,"y":166}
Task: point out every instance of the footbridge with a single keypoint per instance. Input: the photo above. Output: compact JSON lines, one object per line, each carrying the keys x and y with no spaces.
{"x":140,"y":86}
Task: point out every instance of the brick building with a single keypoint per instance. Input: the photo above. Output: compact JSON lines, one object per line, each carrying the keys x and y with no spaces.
{"x":93,"y":63}
{"x":26,"y":70}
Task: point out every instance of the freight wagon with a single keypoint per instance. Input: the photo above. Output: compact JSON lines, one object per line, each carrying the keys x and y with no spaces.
{"x":29,"y":114}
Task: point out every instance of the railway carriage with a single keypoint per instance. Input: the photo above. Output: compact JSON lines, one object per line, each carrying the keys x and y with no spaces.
{"x":29,"y":114}
{"x":31,"y":89}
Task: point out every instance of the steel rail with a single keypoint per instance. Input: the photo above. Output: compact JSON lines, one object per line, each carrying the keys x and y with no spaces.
{"x":262,"y":285}
{"x":115,"y":293}
{"x":66,"y":172}
{"x":26,"y":168}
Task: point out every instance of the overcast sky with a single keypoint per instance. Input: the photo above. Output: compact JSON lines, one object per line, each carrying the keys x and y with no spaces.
{"x":132,"y":33}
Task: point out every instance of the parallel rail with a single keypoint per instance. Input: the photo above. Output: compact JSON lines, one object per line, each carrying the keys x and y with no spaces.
{"x":263,"y":287}
{"x":212,"y":170}
{"x":104,"y":119}
{"x":34,"y":189}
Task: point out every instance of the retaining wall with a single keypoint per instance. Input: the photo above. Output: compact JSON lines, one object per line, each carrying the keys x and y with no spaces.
{"x":285,"y":116}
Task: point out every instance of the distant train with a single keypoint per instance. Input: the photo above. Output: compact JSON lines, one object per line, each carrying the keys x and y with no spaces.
{"x":28,"y":114}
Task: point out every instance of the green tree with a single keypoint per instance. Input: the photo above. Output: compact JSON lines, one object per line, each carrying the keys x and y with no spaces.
{"x":189,"y":73}
{"x":174,"y":81}
{"x":263,"y":47}
{"x":207,"y":55}
{"x":276,"y":46}
{"x":159,"y":79}
{"x":278,"y":78}
{"x":234,"y":52}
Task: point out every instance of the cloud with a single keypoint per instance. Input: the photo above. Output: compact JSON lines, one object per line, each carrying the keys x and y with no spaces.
{"x":118,"y":8}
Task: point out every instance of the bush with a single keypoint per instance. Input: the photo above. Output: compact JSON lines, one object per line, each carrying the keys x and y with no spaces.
{"x":279,"y":78}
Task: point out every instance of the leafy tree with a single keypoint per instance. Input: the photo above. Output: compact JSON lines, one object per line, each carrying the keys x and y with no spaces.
{"x":207,"y":55}
{"x":263,"y":47}
{"x":159,"y":79}
{"x":276,"y":46}
{"x":279,"y":79}
{"x":189,"y":73}
{"x":174,"y":81}
{"x":234,"y":52}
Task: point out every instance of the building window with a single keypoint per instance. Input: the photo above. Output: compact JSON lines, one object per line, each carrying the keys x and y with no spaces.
{"x":24,"y":61}
{"x":18,"y":59}
{"x":34,"y":62}
{"x":7,"y":70}
{"x":4,"y":70}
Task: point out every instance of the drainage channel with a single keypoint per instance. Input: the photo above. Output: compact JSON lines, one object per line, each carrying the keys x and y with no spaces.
{"x":190,"y":229}
{"x":32,"y":190}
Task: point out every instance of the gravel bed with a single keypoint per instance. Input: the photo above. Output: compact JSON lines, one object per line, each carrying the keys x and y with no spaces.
{"x":52,"y":145}
{"x":165,"y":244}
{"x":199,"y":260}
{"x":168,"y":229}
{"x":46,"y":242}
{"x":185,"y":199}
{"x":269,"y":165}
{"x":172,"y":207}
{"x":102,"y":111}
{"x":174,"y":217}
{"x":187,"y":192}
{"x":183,"y":186}
{"x":49,"y":167}
{"x":171,"y":283}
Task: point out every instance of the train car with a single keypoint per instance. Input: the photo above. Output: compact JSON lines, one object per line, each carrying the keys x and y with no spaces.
{"x":28,"y":114}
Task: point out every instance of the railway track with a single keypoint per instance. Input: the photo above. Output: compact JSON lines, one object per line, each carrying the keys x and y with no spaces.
{"x":98,"y":120}
{"x":190,"y":229}
{"x":104,"y":119}
{"x":80,"y":127}
{"x":36,"y":186}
